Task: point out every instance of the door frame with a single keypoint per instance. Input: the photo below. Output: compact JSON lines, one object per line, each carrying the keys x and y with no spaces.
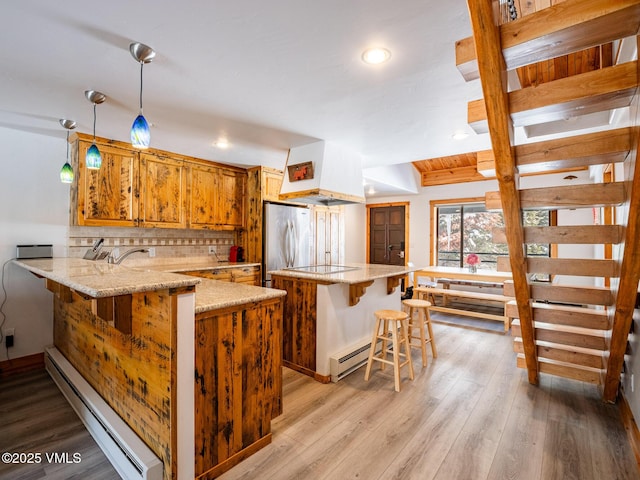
{"x":406,"y":226}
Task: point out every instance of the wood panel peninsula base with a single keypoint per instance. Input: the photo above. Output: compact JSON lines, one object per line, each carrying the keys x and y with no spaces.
{"x":328,"y":313}
{"x":192,"y":366}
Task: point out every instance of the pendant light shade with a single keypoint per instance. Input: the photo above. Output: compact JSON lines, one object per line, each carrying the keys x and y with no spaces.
{"x":140,"y":134}
{"x":93,"y":159}
{"x":66,"y":174}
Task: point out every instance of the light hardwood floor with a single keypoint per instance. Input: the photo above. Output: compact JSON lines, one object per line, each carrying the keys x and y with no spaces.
{"x":470,"y":414}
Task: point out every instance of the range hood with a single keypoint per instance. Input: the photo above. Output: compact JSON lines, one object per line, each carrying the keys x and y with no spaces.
{"x":322,"y":173}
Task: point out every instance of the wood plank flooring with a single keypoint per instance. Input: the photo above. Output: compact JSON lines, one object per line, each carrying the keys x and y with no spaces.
{"x":470,"y":414}
{"x":36,"y":418}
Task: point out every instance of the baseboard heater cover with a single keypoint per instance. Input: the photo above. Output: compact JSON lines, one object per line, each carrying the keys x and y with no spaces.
{"x":128,"y":454}
{"x":350,"y":359}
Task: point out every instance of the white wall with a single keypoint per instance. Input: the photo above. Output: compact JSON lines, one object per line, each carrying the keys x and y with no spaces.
{"x":34,"y":208}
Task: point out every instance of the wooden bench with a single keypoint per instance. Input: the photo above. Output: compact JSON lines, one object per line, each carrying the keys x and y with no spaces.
{"x":424,"y":292}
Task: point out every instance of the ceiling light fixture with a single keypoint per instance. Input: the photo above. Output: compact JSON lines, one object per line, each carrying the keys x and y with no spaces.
{"x":140,"y":135}
{"x":93,"y":159}
{"x":66,"y":174}
{"x":222,"y":143}
{"x":376,"y":55}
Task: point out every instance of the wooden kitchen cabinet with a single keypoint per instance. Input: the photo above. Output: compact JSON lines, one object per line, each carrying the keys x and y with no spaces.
{"x":271,"y":183}
{"x":163,"y":192}
{"x":154,"y":189}
{"x":217,"y":197}
{"x":107,"y":196}
{"x":248,"y":275}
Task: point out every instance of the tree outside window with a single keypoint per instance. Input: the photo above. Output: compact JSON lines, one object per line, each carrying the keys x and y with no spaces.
{"x":466,"y":229}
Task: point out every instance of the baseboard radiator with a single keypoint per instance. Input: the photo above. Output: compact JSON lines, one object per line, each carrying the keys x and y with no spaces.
{"x":128,"y":454}
{"x":350,"y":359}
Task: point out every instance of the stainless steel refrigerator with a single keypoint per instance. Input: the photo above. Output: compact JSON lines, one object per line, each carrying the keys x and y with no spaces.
{"x":288,"y":235}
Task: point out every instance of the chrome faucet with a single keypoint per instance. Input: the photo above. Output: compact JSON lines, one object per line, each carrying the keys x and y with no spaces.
{"x":116,"y":260}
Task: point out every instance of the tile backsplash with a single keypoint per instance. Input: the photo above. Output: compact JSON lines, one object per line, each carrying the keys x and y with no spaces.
{"x":168,"y":243}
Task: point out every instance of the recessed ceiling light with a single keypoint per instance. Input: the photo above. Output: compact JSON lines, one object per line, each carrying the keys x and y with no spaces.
{"x":222,"y":143}
{"x":372,"y":190}
{"x":376,"y":55}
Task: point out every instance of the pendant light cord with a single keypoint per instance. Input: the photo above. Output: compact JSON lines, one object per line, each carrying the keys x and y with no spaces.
{"x":141,"y":67}
{"x":94,"y":125}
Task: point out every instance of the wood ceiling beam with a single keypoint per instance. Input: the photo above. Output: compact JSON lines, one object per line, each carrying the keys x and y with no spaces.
{"x":563,"y":28}
{"x":494,"y":88}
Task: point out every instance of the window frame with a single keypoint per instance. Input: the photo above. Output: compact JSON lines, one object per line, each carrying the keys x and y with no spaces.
{"x":433,"y":227}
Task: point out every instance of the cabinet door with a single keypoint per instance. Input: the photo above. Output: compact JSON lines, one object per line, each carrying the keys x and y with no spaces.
{"x":329,"y":231}
{"x":107,"y":196}
{"x":271,"y":183}
{"x":163,"y":192}
{"x":222,"y":274}
{"x":230,"y":210}
{"x":202,"y":201}
{"x":217,"y":197}
{"x":248,"y":275}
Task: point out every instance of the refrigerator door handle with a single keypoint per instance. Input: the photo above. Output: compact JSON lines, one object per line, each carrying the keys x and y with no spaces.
{"x":294,"y":244}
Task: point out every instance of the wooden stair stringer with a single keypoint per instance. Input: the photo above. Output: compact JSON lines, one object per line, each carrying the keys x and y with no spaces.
{"x":491,"y":67}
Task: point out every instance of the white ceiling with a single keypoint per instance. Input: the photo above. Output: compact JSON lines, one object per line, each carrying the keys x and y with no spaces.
{"x":267,"y":75}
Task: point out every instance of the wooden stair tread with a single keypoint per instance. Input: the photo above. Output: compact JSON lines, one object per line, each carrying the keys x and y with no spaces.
{"x":570,"y":294}
{"x":589,"y":267}
{"x":575,"y":196}
{"x":612,"y":146}
{"x":567,"y":234}
{"x":565,"y":328}
{"x":585,"y":357}
{"x":560,"y":369}
{"x":590,"y":318}
{"x":567,"y":27}
{"x":596,"y":91}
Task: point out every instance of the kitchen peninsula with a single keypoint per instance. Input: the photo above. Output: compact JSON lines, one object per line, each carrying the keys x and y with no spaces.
{"x":329,"y":309}
{"x":191,"y":365}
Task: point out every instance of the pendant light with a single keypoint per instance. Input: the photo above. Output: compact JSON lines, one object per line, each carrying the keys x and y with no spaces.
{"x":66,"y":174}
{"x":140,"y":135}
{"x":93,"y":159}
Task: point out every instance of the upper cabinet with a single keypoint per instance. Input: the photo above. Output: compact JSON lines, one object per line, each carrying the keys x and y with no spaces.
{"x":107,"y":196}
{"x":163,"y":192}
{"x":217,"y":197}
{"x":155,"y":189}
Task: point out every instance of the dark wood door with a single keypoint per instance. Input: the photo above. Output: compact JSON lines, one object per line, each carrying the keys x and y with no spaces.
{"x":386,"y":235}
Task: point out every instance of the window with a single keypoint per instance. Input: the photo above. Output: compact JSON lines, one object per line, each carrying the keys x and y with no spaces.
{"x":467,"y":228}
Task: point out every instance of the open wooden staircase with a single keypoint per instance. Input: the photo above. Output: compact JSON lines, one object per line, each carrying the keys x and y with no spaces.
{"x":573,"y":331}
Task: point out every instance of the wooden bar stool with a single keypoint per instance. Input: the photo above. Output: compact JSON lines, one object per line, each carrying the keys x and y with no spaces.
{"x":388,"y":324}
{"x":422,"y":308}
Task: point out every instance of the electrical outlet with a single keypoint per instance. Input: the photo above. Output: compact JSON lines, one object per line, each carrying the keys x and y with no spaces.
{"x":213,"y":250}
{"x":8,"y":336}
{"x":152,"y":251}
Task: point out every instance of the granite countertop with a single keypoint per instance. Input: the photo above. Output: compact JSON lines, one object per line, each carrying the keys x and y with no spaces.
{"x":353,"y":273}
{"x":215,"y":294}
{"x":100,"y":279}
